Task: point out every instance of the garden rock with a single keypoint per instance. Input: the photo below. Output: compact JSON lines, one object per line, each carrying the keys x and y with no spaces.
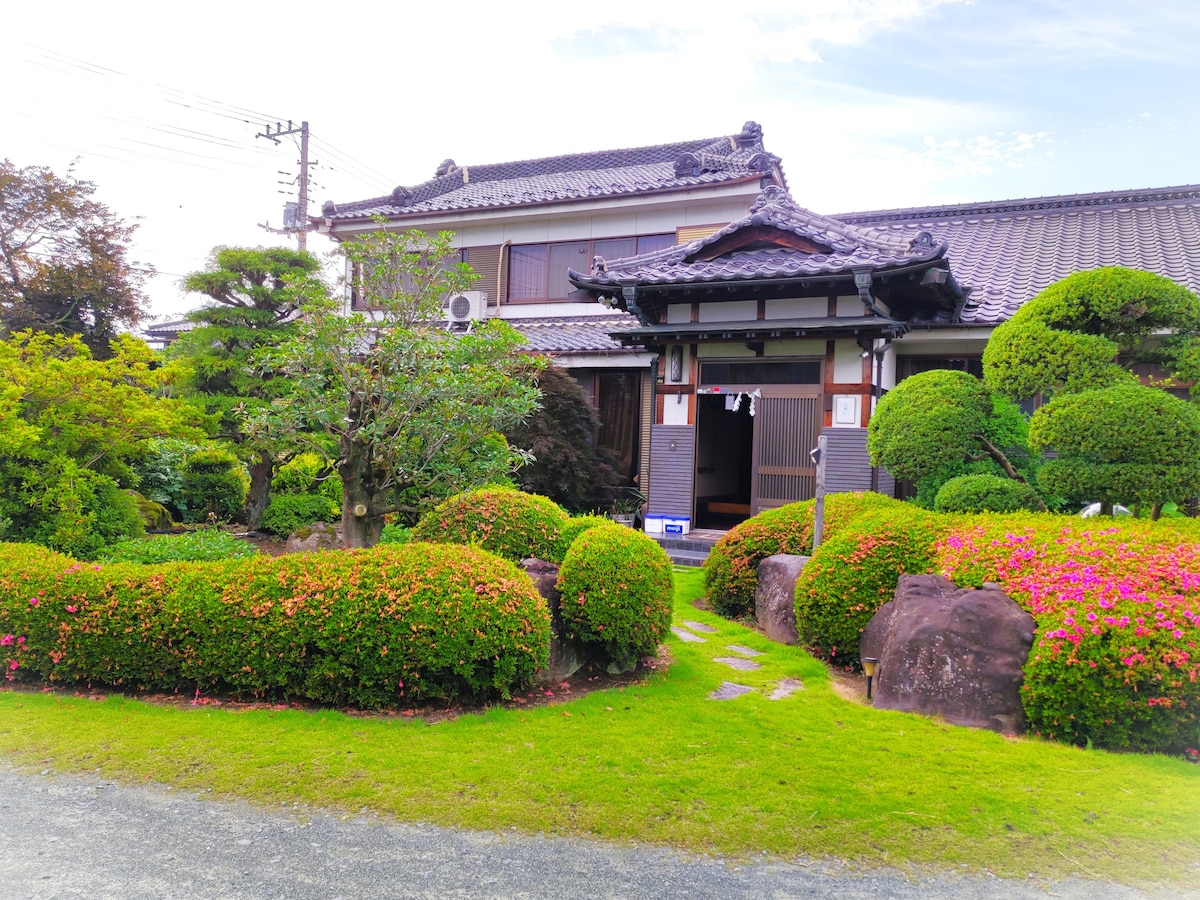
{"x":775,"y":596}
{"x":950,"y":652}
{"x":317,"y":536}
{"x":567,"y":656}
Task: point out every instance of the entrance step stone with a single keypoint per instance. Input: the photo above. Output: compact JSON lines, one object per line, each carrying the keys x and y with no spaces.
{"x":742,"y":651}
{"x":728,"y":690}
{"x":736,"y":662}
{"x":686,"y":636}
{"x":786,"y":688}
{"x":700,"y":626}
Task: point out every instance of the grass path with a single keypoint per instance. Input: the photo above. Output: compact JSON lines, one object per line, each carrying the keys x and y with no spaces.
{"x":811,"y":774}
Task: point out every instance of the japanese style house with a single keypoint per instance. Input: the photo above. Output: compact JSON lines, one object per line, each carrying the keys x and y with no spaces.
{"x":721,"y":328}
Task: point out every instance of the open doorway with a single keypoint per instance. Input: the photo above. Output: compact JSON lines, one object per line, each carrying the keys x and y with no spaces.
{"x":724,"y":460}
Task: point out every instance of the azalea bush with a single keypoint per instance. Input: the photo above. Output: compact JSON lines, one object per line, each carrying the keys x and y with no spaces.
{"x":508,"y":522}
{"x":855,"y":572}
{"x":1115,"y":661}
{"x":731,"y":570}
{"x":616,"y":591}
{"x":364,"y":629}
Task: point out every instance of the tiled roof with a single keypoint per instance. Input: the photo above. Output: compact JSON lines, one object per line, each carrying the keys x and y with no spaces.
{"x":845,"y":248}
{"x":1008,"y":251}
{"x":579,"y":334}
{"x":578,"y":176}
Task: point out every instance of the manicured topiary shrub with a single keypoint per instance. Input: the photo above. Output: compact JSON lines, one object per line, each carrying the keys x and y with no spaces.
{"x":507,"y":522}
{"x":984,"y":493}
{"x":1115,"y":661}
{"x":289,"y":512}
{"x":577,"y":525}
{"x":617,"y":592}
{"x":851,"y":575}
{"x":731,"y":570}
{"x":196,"y":546}
{"x":214,"y":484}
{"x":366,"y":629}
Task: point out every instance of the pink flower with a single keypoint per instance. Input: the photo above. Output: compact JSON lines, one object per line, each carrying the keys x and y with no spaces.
{"x":14,"y":665}
{"x":72,"y":609}
{"x":33,"y":601}
{"x":6,"y":640}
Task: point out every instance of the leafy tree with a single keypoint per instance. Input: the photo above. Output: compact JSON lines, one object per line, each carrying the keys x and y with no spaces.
{"x":252,"y":304}
{"x":64,"y":259}
{"x":566,"y":466}
{"x":1070,"y":336}
{"x":416,"y":410}
{"x":943,"y":423}
{"x":72,"y":428}
{"x":1122,"y":444}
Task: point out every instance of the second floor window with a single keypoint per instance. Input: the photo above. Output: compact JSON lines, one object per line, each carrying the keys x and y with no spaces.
{"x":539,"y":271}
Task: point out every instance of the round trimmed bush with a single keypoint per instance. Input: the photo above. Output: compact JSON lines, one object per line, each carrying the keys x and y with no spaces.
{"x":851,"y":575}
{"x":731,"y":570}
{"x":984,"y":493}
{"x":214,"y":483}
{"x":577,"y":525}
{"x":507,"y":522}
{"x":617,"y":592}
{"x":290,"y":512}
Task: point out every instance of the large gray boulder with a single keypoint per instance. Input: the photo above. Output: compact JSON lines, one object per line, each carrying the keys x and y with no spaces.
{"x":317,"y":536}
{"x":567,"y":655}
{"x":775,"y":596}
{"x":951,"y":652}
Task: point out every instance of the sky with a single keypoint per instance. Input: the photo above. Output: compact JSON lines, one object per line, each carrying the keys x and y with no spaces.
{"x":870,"y":105}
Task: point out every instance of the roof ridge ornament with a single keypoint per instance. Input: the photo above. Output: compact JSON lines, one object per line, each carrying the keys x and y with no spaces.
{"x":401,"y":196}
{"x":447,"y":166}
{"x":687,"y":164}
{"x":751,"y":135}
{"x":774,"y":195}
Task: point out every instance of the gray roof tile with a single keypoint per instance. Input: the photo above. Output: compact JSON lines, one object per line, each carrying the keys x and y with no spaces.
{"x":578,"y":334}
{"x":1008,"y":251}
{"x":578,"y":176}
{"x":849,"y":247}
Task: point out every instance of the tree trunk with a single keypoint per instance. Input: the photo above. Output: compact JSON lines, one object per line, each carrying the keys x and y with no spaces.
{"x":1155,"y":511}
{"x":361,"y":526}
{"x":1009,"y":469}
{"x":262,"y":471}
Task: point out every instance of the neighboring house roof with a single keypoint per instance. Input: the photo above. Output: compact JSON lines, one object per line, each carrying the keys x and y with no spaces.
{"x":578,"y":176}
{"x":1008,"y":251}
{"x":777,"y":239}
{"x":580,"y":334}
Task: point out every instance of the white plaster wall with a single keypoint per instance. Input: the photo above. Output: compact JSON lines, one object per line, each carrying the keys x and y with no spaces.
{"x":847,"y":363}
{"x":675,"y":410}
{"x":888,"y":375}
{"x":723,"y":351}
{"x":794,"y":348}
{"x":796,"y":308}
{"x":731,"y":311}
{"x":679,"y":313}
{"x":851,"y":306}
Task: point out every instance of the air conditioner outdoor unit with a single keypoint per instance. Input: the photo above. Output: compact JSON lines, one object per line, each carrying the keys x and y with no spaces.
{"x":467,"y":306}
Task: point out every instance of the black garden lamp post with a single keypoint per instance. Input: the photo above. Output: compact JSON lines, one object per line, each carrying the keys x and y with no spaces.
{"x":869,"y":664}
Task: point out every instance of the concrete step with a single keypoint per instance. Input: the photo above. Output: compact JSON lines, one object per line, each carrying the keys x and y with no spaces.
{"x":682,"y":557}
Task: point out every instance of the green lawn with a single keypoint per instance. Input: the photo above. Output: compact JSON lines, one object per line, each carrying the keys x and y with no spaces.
{"x":811,"y":774}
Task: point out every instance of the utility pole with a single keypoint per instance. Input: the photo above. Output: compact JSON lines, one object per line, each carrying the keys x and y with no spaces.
{"x":301,"y":231}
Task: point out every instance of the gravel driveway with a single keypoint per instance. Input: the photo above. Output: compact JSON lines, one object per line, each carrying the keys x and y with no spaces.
{"x":76,"y":836}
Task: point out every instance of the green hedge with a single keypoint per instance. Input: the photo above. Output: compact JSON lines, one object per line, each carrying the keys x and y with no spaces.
{"x":194,"y":546}
{"x":507,"y":522}
{"x":617,"y":591}
{"x":1117,"y":605}
{"x":366,"y":629}
{"x":731,"y":570}
{"x":855,"y":572}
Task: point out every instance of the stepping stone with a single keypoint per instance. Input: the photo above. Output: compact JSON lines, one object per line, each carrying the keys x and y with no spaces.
{"x":786,"y":688}
{"x":743,"y":651}
{"x":728,"y":690}
{"x":686,"y":636}
{"x":736,"y":662}
{"x":700,"y":626}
